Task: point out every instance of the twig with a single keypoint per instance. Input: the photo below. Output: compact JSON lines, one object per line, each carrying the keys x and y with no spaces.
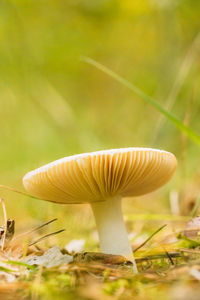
{"x":150,"y":237}
{"x":46,"y":236}
{"x":5,"y":221}
{"x":35,"y":229}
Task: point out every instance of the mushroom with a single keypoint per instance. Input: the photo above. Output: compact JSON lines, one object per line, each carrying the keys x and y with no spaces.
{"x":101,"y":179}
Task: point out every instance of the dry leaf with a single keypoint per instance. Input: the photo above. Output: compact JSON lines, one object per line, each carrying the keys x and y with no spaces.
{"x":51,"y":258}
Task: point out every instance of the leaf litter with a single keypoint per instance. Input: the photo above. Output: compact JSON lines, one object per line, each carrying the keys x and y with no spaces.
{"x":51,"y":258}
{"x":45,"y":273}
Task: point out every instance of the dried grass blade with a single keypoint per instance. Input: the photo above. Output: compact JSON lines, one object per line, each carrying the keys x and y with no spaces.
{"x":35,"y":229}
{"x":45,"y":236}
{"x":149,"y":238}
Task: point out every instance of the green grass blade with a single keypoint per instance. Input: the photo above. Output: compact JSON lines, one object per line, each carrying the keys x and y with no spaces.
{"x":195,"y":208}
{"x":19,"y":263}
{"x":3,"y":269}
{"x":183,"y":128}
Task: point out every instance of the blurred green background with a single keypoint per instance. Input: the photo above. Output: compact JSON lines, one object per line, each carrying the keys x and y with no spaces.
{"x":54,"y":105}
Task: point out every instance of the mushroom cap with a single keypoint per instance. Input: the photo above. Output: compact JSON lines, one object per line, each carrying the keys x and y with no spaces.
{"x":97,"y":176}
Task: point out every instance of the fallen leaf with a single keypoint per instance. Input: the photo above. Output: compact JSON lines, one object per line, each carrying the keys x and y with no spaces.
{"x":51,"y":258}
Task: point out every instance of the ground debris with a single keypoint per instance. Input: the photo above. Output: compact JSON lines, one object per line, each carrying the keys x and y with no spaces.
{"x":35,"y":270}
{"x":51,"y":258}
{"x":10,"y":291}
{"x":111,"y":259}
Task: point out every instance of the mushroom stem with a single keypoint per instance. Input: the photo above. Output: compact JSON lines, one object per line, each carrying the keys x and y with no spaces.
{"x":111,"y":229}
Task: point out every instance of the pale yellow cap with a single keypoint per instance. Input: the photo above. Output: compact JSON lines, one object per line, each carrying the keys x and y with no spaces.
{"x":97,"y":176}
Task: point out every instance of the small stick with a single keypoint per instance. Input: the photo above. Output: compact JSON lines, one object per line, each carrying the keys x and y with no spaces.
{"x":149,"y":238}
{"x":34,"y":229}
{"x":5,"y":220}
{"x":46,"y":236}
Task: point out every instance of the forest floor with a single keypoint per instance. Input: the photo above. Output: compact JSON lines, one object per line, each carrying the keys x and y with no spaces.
{"x":168,"y":269}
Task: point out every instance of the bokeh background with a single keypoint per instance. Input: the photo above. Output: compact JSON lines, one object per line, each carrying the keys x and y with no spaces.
{"x":52,"y":104}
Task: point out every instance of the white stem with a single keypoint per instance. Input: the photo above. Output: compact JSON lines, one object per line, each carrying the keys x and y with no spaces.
{"x":111,"y":229}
